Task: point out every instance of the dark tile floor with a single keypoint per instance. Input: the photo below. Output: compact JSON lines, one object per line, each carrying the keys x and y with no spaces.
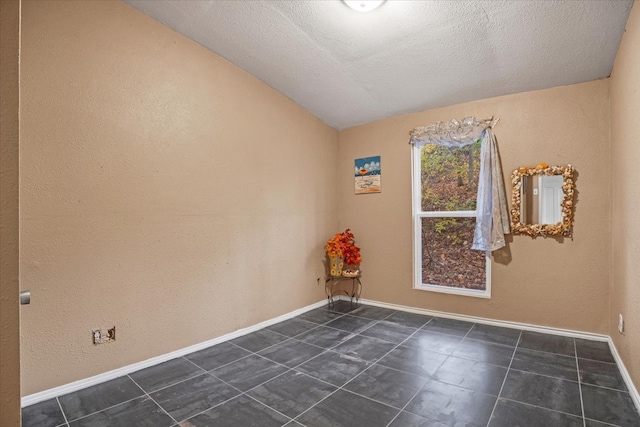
{"x":364,"y":366}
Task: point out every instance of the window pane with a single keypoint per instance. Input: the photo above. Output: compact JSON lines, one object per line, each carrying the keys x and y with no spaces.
{"x":447,"y":259}
{"x":450,"y":177}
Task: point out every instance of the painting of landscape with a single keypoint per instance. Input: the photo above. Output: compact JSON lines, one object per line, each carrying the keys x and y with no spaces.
{"x":367,"y":175}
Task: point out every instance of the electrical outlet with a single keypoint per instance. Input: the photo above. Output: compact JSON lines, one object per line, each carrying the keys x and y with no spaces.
{"x":620,"y":323}
{"x":100,"y":336}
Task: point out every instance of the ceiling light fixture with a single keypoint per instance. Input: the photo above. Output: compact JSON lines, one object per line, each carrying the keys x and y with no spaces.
{"x":363,"y":5}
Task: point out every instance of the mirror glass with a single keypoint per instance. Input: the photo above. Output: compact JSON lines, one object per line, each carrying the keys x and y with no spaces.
{"x":543,"y":200}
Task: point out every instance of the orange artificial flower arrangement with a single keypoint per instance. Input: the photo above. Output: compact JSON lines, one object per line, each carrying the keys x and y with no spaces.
{"x":342,"y":245}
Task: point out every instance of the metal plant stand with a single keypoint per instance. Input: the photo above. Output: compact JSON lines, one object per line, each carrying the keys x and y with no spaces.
{"x":332,"y":288}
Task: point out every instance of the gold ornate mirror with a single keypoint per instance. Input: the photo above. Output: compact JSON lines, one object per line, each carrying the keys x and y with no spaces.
{"x":543,"y":200}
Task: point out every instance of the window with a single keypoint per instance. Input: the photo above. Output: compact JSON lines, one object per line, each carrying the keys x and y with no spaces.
{"x":445,"y":185}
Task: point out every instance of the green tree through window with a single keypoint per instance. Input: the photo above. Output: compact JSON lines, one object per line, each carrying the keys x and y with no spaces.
{"x":448,"y":182}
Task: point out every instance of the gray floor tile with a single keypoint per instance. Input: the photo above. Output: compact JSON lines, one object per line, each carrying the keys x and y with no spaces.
{"x":609,"y":406}
{"x":372,"y":312}
{"x":494,"y":334}
{"x":351,"y":324}
{"x":406,"y":419}
{"x":483,"y":351}
{"x":475,"y":376}
{"x":551,"y":364}
{"x":190,"y":397}
{"x":43,"y":414}
{"x":551,"y":393}
{"x":448,"y":326}
{"x":249,"y":372}
{"x":344,"y":409}
{"x":334,"y":368}
{"x":342,"y":306}
{"x":320,"y":315}
{"x":365,"y":348}
{"x":165,"y":374}
{"x":439,"y":343}
{"x":413,"y":361}
{"x":459,"y":379}
{"x":98,"y":397}
{"x":592,"y":423}
{"x":594,"y":350}
{"x":292,"y":393}
{"x":387,"y":385}
{"x":140,"y":412}
{"x":292,"y":327}
{"x":291,"y":353}
{"x":408,"y":319}
{"x":325,"y":337}
{"x":259,"y":340}
{"x":240,"y":411}
{"x":452,"y":405}
{"x":510,"y":414}
{"x":218,"y":355}
{"x":390,"y":332}
{"x":603,"y":374}
{"x":549,"y":343}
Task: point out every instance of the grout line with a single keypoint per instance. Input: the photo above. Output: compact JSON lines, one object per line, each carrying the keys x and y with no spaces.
{"x":62,"y":410}
{"x":371,"y":364}
{"x":273,"y":409}
{"x":154,"y":401}
{"x":543,"y":408}
{"x":363,"y":371}
{"x":544,"y":375}
{"x":108,"y":407}
{"x":163,"y":410}
{"x":240,"y":393}
{"x":506,"y":375}
{"x":575,"y":349}
{"x":410,"y":400}
{"x":214,"y":406}
{"x":602,"y":422}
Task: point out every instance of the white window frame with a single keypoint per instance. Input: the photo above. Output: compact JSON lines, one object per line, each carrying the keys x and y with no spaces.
{"x":418,"y":214}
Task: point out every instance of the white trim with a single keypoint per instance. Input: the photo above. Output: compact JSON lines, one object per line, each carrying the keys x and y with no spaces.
{"x":418,"y":214}
{"x":106,"y":376}
{"x":485,"y":321}
{"x":457,"y":291}
{"x":633,"y":391}
{"x":447,"y":214}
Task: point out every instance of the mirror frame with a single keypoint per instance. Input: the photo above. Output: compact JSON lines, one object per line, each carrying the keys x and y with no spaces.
{"x":564,"y":228}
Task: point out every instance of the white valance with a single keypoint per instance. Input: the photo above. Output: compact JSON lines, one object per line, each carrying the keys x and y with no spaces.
{"x":492,"y":222}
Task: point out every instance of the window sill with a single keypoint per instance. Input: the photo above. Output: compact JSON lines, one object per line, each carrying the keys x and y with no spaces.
{"x":486,"y":294}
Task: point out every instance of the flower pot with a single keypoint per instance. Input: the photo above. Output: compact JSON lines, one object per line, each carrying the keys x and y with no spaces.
{"x":335,"y":266}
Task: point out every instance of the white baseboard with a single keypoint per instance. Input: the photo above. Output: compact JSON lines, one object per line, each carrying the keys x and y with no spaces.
{"x":633,"y":391}
{"x":485,"y":321}
{"x":106,"y":376}
{"x":97,"y":379}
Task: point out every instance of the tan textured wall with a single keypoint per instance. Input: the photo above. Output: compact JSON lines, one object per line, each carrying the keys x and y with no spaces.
{"x":164,"y":191}
{"x":625,"y":131}
{"x":542,"y":281}
{"x":9,"y":237}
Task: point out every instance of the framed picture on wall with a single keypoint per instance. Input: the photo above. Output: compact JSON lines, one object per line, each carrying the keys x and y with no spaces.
{"x":367,"y":175}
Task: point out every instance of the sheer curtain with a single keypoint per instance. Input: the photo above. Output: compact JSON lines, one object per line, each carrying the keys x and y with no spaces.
{"x":492,"y":222}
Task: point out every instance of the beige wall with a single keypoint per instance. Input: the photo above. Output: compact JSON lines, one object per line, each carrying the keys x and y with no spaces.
{"x":9,"y":309}
{"x":164,"y":191}
{"x":625,"y":131}
{"x":562,"y":284}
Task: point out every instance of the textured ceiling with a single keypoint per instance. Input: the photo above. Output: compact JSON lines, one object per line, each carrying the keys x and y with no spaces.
{"x":350,"y":68}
